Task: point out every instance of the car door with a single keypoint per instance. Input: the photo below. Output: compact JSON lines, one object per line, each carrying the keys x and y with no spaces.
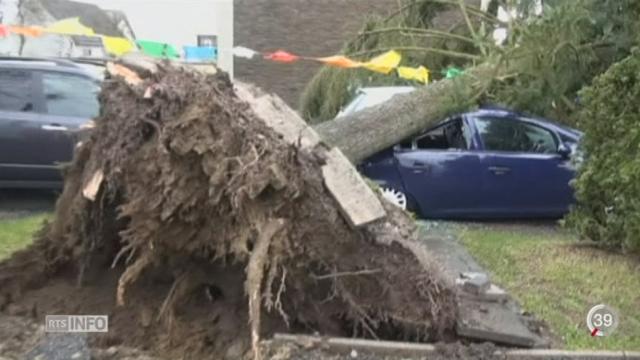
{"x":524,"y":175}
{"x":23,"y":145}
{"x":41,"y":113}
{"x":441,"y":171}
{"x":70,"y":100}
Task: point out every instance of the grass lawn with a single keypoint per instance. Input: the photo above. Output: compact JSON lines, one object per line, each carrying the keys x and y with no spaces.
{"x":16,"y":234}
{"x":559,"y":280}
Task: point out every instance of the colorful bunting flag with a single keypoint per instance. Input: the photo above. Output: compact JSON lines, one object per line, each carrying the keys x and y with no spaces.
{"x":420,"y":74}
{"x":281,"y":57}
{"x":384,"y":63}
{"x":243,"y":52}
{"x":32,"y":31}
{"x":158,"y":49}
{"x":118,"y":46}
{"x":200,"y":53}
{"x":452,"y":72}
{"x":340,"y":61}
{"x":71,"y":26}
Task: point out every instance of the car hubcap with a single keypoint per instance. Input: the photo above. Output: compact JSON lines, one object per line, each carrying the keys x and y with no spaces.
{"x":397,"y":198}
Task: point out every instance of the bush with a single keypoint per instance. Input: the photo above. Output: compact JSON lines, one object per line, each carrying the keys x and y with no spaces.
{"x":608,"y":183}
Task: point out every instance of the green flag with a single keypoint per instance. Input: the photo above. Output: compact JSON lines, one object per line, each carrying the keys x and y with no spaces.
{"x":452,"y":72}
{"x":158,"y":49}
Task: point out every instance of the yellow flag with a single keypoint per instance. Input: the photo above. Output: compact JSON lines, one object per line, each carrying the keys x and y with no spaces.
{"x":420,"y":74}
{"x":71,"y":26}
{"x":117,"y":45}
{"x":384,"y":63}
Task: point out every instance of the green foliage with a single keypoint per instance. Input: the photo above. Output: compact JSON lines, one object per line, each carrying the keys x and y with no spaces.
{"x":561,"y":52}
{"x":423,"y":39}
{"x":608,"y":183}
{"x":557,"y":53}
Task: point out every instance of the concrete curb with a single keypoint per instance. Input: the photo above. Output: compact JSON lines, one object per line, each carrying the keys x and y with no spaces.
{"x":346,"y":345}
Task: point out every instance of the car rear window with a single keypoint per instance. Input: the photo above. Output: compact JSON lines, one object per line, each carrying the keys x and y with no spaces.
{"x":15,"y":90}
{"x":70,"y":95}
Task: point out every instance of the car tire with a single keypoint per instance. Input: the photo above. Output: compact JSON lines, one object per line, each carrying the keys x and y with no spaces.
{"x":396,"y":197}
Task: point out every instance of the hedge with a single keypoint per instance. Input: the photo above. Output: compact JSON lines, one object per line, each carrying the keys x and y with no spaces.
{"x":608,"y":182}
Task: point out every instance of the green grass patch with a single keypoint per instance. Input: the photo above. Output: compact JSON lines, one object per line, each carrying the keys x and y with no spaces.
{"x":16,"y":234}
{"x":559,"y":280}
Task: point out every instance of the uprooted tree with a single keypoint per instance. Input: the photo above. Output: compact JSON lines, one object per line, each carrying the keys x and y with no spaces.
{"x":196,"y":206}
{"x":185,"y":197}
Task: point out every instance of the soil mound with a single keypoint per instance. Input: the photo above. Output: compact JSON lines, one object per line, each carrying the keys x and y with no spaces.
{"x":208,"y":231}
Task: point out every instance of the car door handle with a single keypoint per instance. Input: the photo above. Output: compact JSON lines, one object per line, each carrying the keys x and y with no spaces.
{"x":420,"y":165}
{"x":54,"y":127}
{"x":499,"y":170}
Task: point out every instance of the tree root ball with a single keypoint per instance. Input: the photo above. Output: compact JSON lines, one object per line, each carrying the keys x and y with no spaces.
{"x":208,"y":232}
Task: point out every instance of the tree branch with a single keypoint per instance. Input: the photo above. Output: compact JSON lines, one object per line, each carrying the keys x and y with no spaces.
{"x":419,"y":49}
{"x":422,"y":32}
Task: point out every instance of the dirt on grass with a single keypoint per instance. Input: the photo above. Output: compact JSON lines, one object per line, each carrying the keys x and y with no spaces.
{"x":209,"y":232}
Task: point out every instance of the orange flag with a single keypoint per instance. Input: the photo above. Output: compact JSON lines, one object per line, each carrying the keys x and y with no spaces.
{"x":32,"y":31}
{"x":339,"y":61}
{"x":282,"y":57}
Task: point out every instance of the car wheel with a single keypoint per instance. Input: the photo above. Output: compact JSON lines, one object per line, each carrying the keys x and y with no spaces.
{"x":396,"y":197}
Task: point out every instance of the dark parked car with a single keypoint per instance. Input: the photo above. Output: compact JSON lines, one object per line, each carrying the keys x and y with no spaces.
{"x":43,"y":104}
{"x":490,"y":163}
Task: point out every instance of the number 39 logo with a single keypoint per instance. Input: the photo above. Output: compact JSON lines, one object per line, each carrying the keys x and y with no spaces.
{"x":602,"y":320}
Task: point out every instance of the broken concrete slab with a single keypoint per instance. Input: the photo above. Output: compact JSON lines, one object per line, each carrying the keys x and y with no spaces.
{"x":357,"y":201}
{"x":278,"y":116}
{"x":493,"y":294}
{"x":474,"y":282}
{"x":443,"y":244}
{"x":490,"y":321}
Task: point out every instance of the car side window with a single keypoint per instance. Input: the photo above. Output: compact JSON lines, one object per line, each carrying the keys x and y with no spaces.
{"x":16,"y":91}
{"x":510,"y":135}
{"x":451,"y":135}
{"x":70,"y":95}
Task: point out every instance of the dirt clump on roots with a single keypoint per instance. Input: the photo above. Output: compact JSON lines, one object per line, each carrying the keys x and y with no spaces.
{"x":209,"y":232}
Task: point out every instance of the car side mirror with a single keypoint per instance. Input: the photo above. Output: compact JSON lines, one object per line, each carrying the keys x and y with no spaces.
{"x":564,"y":151}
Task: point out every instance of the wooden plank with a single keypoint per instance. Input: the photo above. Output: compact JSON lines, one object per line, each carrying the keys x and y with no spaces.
{"x":358,"y":202}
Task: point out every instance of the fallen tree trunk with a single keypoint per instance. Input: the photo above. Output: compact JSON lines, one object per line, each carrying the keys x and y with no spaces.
{"x":366,"y":132}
